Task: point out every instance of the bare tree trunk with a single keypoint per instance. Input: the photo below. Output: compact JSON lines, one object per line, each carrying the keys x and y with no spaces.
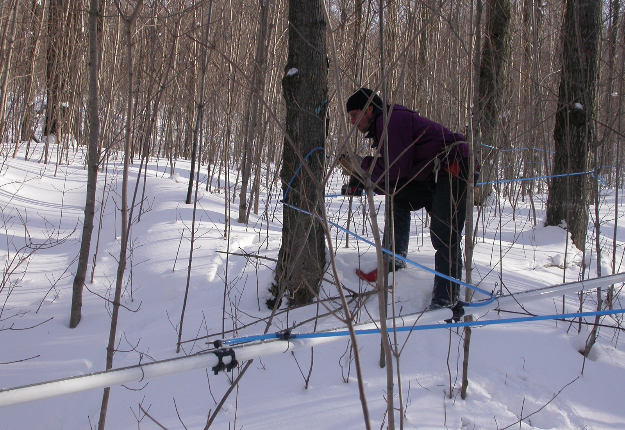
{"x":121,"y":267}
{"x":92,"y":165}
{"x":27,"y":126}
{"x":5,"y":66}
{"x":607,"y":137}
{"x":147,"y":136}
{"x":425,"y":11}
{"x":256,"y":94}
{"x":572,"y":133}
{"x":617,"y":175}
{"x":469,"y":243}
{"x":388,"y":238}
{"x":534,"y":125}
{"x":592,"y":337}
{"x":494,"y":57}
{"x":255,"y":197}
{"x":301,"y":259}
{"x":58,"y":58}
{"x":200,"y":105}
{"x":196,"y":138}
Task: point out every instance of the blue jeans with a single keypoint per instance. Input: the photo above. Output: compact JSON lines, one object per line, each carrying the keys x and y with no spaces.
{"x":445,"y":201}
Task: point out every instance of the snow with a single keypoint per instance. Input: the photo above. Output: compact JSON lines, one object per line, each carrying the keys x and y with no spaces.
{"x":529,"y":370}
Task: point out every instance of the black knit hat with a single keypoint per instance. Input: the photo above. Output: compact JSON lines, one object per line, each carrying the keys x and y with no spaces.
{"x":359,"y":99}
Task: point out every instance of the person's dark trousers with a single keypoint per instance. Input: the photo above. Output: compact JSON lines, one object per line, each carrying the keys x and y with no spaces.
{"x":445,"y":201}
{"x":448,"y":214}
{"x":413,"y":196}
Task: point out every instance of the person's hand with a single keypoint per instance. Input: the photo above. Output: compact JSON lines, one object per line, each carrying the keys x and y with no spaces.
{"x":346,"y":164}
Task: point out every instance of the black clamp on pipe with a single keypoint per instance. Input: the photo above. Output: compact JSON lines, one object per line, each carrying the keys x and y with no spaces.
{"x":285,"y":335}
{"x":458,"y":312}
{"x":221,"y":353}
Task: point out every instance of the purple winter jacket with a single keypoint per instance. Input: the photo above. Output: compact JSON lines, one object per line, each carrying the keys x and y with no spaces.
{"x":414,"y":143}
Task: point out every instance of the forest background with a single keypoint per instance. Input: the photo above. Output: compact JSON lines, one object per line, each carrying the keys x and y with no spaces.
{"x":204,"y":81}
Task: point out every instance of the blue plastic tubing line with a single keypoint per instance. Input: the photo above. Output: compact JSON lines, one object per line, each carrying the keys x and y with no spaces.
{"x":343,"y":333}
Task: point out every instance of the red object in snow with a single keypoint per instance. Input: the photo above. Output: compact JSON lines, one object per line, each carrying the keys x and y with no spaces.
{"x":369,"y":277}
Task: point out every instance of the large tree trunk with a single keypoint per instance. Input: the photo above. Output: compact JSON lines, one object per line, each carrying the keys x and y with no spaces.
{"x":60,"y":26}
{"x":495,"y":53}
{"x":93,"y":164}
{"x":573,"y":128}
{"x":301,"y":259}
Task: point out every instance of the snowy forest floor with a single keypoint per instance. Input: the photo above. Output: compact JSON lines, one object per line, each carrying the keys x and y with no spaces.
{"x":528,"y":372}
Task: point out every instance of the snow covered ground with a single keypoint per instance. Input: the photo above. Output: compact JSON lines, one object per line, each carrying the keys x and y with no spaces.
{"x":529,"y":371}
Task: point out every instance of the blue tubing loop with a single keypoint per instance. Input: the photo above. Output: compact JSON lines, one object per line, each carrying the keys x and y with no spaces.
{"x":491,"y":296}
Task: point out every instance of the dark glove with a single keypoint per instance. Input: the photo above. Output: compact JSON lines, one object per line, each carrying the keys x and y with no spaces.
{"x":353,"y":188}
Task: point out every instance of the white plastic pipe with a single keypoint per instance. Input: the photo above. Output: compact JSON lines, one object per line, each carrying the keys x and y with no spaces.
{"x":28,"y":393}
{"x":579,"y":286}
{"x":75,"y":384}
{"x":547,"y":292}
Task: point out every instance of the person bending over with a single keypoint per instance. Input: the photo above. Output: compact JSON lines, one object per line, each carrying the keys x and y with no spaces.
{"x":428,"y":167}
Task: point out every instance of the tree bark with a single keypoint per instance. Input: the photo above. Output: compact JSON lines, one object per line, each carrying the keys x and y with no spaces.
{"x":567,"y":200}
{"x":200,"y":106}
{"x":196,"y":148}
{"x":301,"y":259}
{"x":494,"y":56}
{"x":58,"y":55}
{"x":5,"y":66}
{"x":256,"y":93}
{"x":27,"y":126}
{"x":125,"y":219}
{"x":469,"y":243}
{"x":92,"y":166}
